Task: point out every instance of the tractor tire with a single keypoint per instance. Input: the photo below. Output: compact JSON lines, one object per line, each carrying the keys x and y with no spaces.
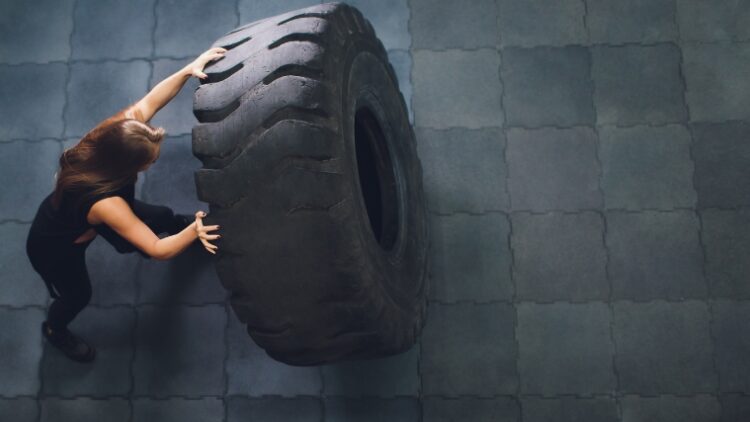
{"x":310,"y":168}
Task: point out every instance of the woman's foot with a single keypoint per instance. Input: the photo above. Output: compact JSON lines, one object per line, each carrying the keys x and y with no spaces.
{"x":71,"y":345}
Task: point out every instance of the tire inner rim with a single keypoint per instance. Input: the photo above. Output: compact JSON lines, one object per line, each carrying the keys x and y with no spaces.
{"x":377,"y":180}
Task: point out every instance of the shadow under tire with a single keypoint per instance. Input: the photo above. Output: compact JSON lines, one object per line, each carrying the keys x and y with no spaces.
{"x":310,"y":168}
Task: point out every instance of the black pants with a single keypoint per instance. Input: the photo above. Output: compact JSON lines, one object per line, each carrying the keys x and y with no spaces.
{"x":63,"y":266}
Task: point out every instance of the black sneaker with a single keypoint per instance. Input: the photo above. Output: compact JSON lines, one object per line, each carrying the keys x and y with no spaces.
{"x":71,"y":345}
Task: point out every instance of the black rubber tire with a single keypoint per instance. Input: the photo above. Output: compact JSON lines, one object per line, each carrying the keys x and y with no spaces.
{"x":307,"y":152}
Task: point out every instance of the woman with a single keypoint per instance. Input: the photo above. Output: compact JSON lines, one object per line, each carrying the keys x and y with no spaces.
{"x":94,"y":193}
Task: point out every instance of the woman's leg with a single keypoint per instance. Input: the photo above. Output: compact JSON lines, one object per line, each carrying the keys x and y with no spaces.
{"x":71,"y":281}
{"x":66,"y":273}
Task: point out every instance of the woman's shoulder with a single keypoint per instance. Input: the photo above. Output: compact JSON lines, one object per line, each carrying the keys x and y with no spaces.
{"x":126,"y":193}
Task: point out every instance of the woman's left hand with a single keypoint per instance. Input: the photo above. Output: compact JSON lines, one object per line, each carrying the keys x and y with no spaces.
{"x":196,"y":67}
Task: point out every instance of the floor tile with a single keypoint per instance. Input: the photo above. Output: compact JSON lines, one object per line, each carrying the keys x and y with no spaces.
{"x":180,"y":351}
{"x":468,"y":349}
{"x":110,"y":332}
{"x":553,"y":169}
{"x":93,"y":96}
{"x":734,"y":407}
{"x":372,"y":409}
{"x":188,"y":28}
{"x":569,"y":409}
{"x":33,"y":90}
{"x":251,"y":372}
{"x":133,"y":22}
{"x":655,"y":255}
{"x":301,"y":409}
{"x":462,"y":24}
{"x":552,"y":362}
{"x":670,"y":408}
{"x":389,"y":18}
{"x":559,"y":256}
{"x":179,"y":410}
{"x":21,"y":284}
{"x":729,"y":329}
{"x":715,"y":77}
{"x":457,"y":88}
{"x":22,"y":409}
{"x":663,"y":348}
{"x":21,"y":348}
{"x":84,"y":409}
{"x":721,"y":153}
{"x":538,"y":22}
{"x":637,"y":21}
{"x":726,"y":241}
{"x":636,"y":84}
{"x":457,"y":165}
{"x":34,"y":163}
{"x":547,"y":86}
{"x":647,"y":167}
{"x":46,"y":24}
{"x":439,"y":409}
{"x":713,"y":21}
{"x":113,"y":275}
{"x":390,"y":376}
{"x":470,"y":258}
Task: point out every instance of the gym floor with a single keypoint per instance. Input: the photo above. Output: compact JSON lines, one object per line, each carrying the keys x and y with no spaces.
{"x":586,"y":165}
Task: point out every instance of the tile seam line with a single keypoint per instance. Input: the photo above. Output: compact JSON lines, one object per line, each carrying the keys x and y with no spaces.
{"x":626,"y":44}
{"x":68,"y":65}
{"x":701,"y":242}
{"x":509,"y":237}
{"x":428,"y":279}
{"x":488,"y":46}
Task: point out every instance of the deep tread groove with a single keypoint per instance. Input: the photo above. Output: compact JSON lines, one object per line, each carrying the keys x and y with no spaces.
{"x":313,"y":207}
{"x":304,"y":115}
{"x":297,"y":36}
{"x":292,"y":69}
{"x":293,"y":112}
{"x":214,"y":77}
{"x":236,"y":43}
{"x":315,"y":164}
{"x":304,"y":15}
{"x":269,"y":332}
{"x":213,"y":116}
{"x":295,"y":70}
{"x":358,"y":20}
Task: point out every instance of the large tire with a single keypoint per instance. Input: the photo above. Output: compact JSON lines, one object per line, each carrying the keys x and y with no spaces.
{"x":310,"y":168}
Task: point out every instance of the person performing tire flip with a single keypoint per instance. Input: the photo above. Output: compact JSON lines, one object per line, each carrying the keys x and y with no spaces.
{"x":94,"y":194}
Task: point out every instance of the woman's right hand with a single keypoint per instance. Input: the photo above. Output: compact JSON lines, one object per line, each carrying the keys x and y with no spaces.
{"x":197,"y":65}
{"x":202,"y":232}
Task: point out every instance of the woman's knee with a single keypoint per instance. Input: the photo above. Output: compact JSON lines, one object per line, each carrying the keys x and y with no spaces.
{"x":80,"y":297}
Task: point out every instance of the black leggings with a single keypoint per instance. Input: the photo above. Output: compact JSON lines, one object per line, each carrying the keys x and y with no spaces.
{"x":63,"y":266}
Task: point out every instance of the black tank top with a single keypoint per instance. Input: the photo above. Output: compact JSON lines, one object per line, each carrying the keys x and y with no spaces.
{"x":66,"y":224}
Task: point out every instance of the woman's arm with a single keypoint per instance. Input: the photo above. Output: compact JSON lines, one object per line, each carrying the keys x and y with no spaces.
{"x":117,"y":214}
{"x":165,"y":90}
{"x":145,"y":108}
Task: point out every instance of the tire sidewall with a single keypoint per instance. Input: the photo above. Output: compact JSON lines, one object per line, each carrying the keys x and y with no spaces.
{"x":366,"y":82}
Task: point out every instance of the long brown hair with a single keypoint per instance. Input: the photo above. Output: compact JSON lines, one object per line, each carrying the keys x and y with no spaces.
{"x":106,"y":159}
